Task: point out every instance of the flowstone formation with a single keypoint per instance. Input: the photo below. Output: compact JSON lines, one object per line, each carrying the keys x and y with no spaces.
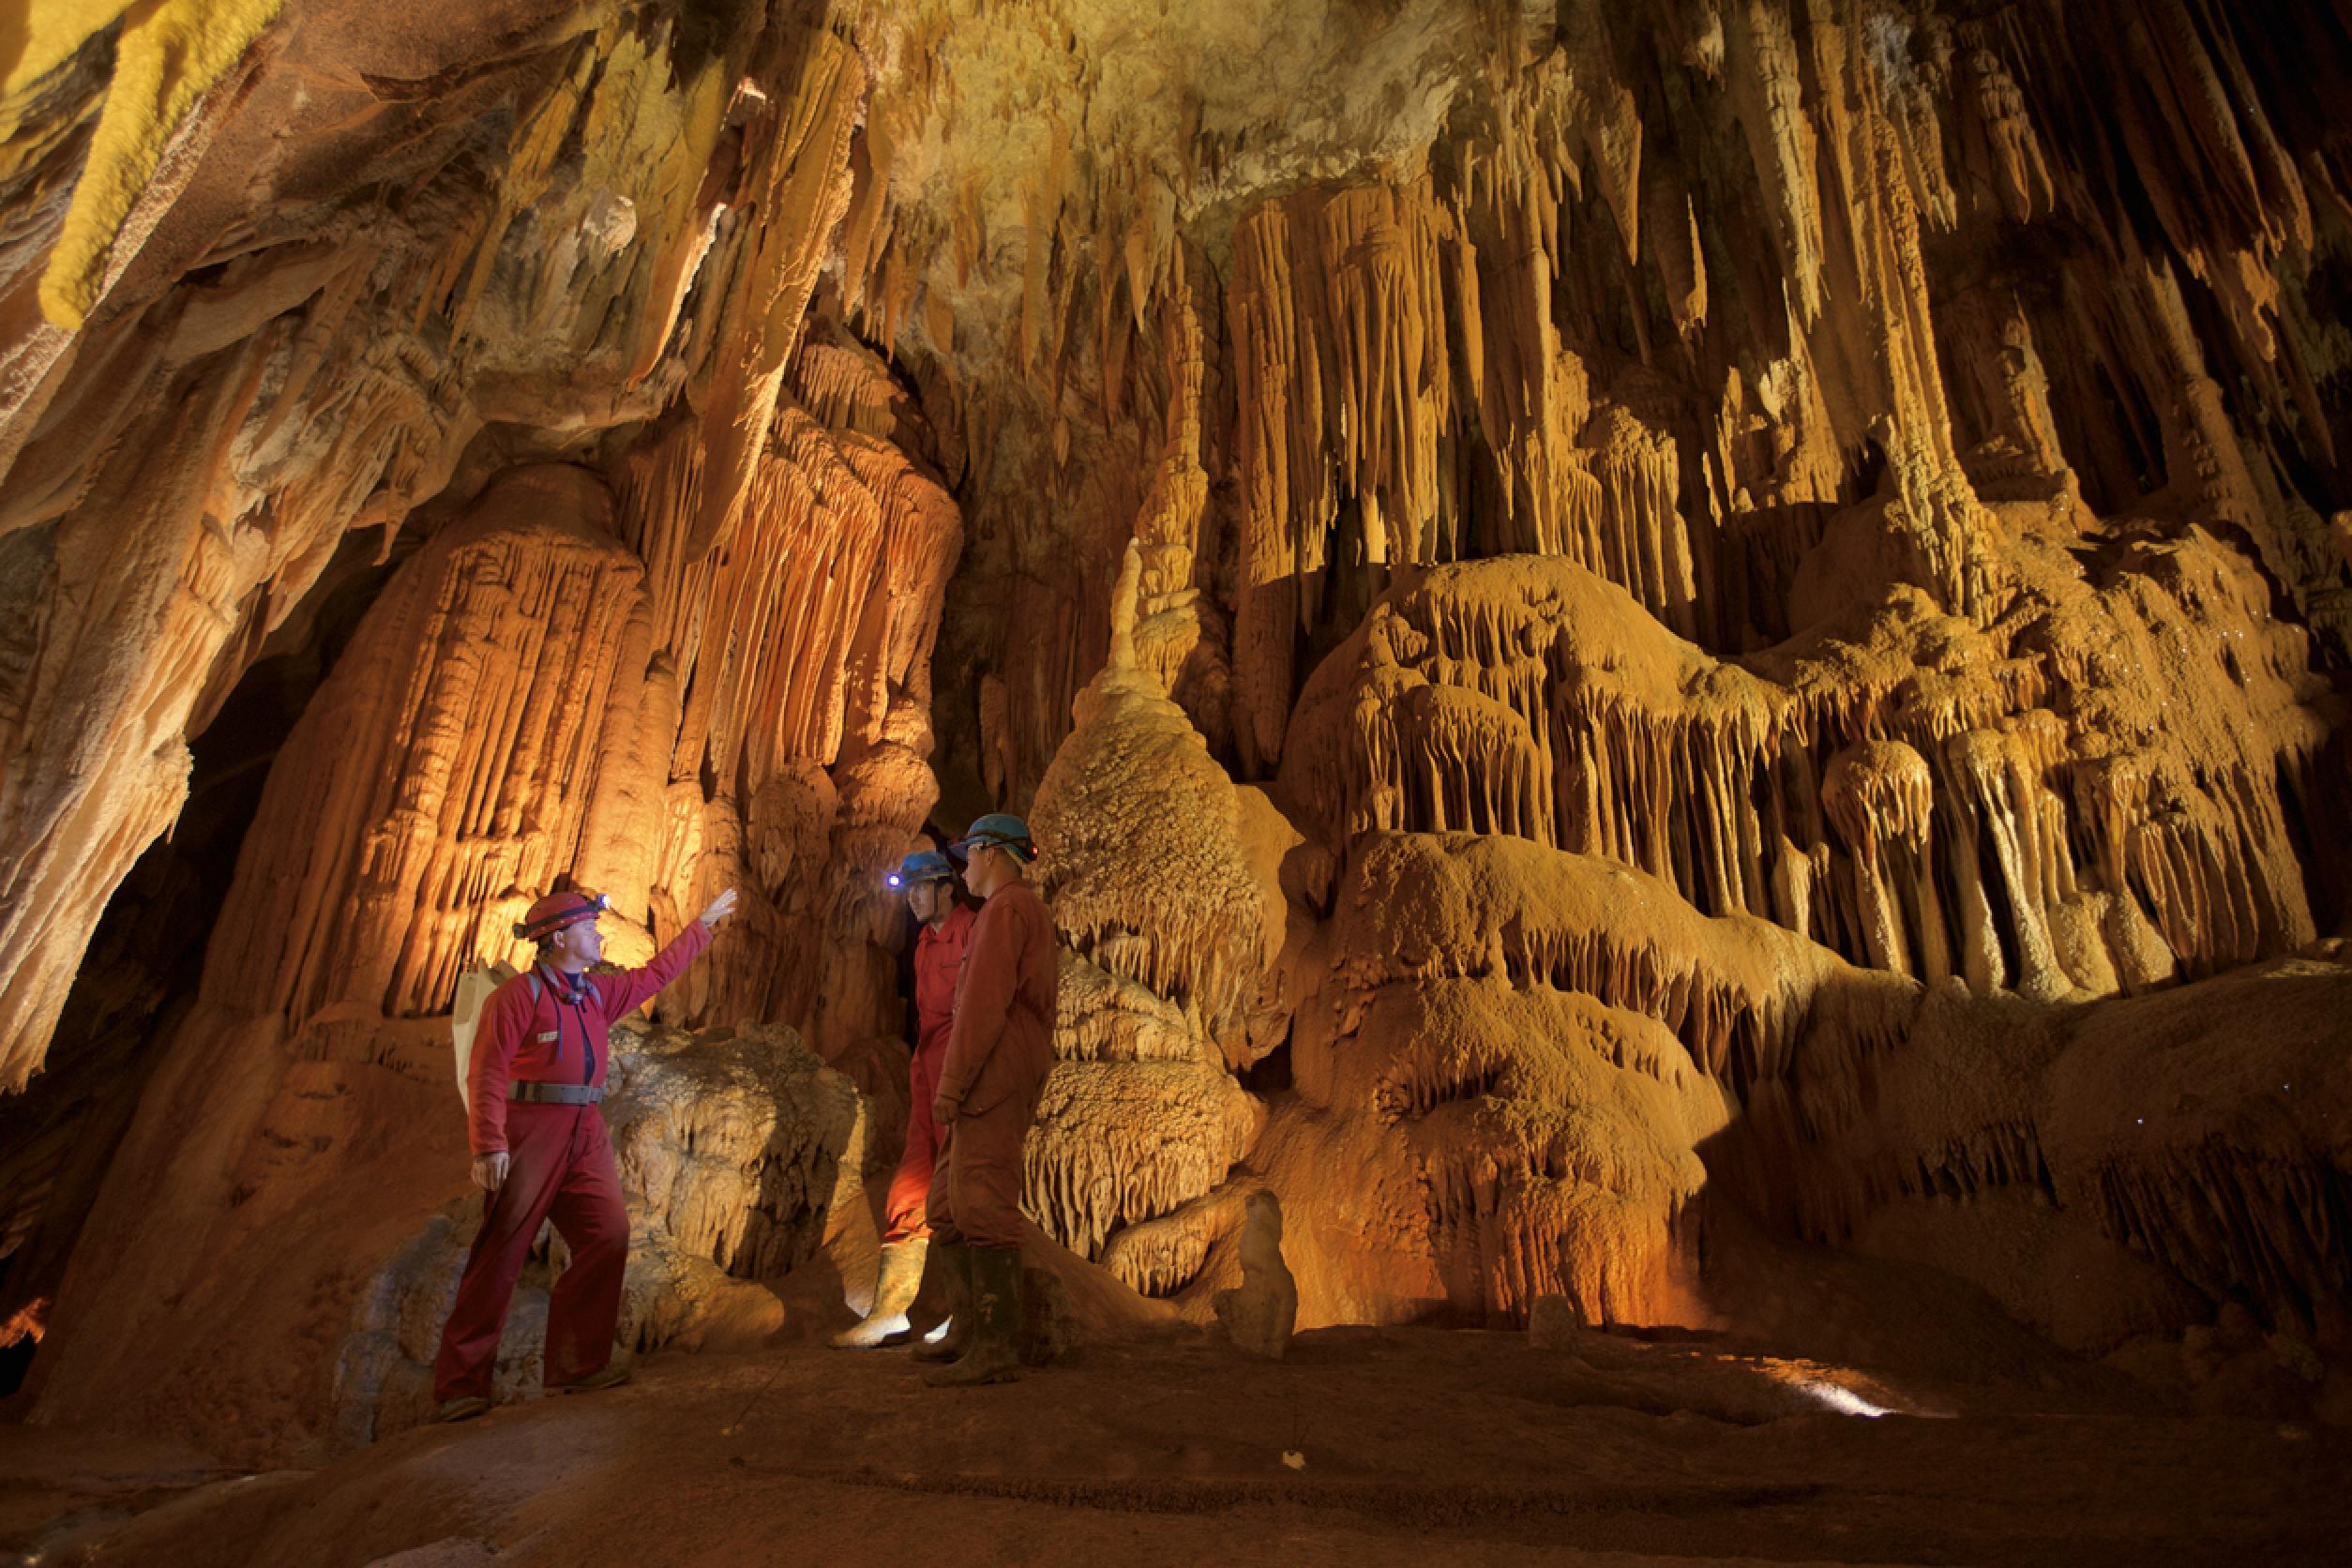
{"x":1898,"y":784}
{"x":1612,"y":618}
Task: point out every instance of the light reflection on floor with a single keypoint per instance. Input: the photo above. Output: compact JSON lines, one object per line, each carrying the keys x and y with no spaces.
{"x":1844,"y":1401}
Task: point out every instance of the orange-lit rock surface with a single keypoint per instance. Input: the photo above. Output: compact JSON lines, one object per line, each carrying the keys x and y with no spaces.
{"x":1636,"y":636}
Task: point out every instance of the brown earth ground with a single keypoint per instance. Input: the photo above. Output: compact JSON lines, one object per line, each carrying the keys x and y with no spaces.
{"x":1443,"y":1445}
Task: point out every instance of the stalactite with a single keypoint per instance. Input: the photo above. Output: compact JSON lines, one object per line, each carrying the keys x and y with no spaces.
{"x":1958,"y":765}
{"x":1881,"y":798}
{"x":1767,"y":485}
{"x":2160,"y":1126}
{"x":803,"y":655}
{"x":794,"y":190}
{"x":327,"y":377}
{"x":1733,"y":992}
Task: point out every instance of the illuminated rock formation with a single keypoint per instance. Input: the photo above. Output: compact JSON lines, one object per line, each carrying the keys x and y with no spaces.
{"x":1535,"y":1044}
{"x":187,"y":465}
{"x":1165,"y":924}
{"x":1600,"y":609}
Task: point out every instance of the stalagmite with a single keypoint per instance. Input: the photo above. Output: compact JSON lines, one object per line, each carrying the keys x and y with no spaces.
{"x":1165,"y":918}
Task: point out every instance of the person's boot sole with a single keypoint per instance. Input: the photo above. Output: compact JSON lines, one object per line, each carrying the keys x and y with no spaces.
{"x":462,"y":1410}
{"x":587,"y":1385}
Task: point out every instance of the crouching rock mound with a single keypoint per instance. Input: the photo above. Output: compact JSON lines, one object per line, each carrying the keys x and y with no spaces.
{"x":738,"y":1151}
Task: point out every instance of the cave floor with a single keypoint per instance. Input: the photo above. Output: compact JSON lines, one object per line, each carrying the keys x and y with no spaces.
{"x":1457,"y":1446}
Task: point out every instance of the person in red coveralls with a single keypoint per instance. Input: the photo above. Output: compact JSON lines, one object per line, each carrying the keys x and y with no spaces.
{"x":926,"y":878}
{"x":999,"y":1049}
{"x":541,"y":1151}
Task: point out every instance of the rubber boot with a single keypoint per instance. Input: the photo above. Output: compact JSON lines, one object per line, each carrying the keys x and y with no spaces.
{"x":995,"y":1314}
{"x":895,"y":1280}
{"x":954,"y":1261}
{"x":930,"y":1309}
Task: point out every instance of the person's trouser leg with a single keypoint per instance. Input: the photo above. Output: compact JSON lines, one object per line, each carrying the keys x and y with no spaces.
{"x":584,"y":1308}
{"x":985,"y":1173}
{"x":939,"y":1204}
{"x":538,"y":1152}
{"x":984,"y":1197}
{"x":906,"y":1211}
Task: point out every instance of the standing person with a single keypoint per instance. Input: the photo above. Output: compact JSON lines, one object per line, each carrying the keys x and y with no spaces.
{"x":541,"y":1151}
{"x":926,"y":878}
{"x":998,"y":1050}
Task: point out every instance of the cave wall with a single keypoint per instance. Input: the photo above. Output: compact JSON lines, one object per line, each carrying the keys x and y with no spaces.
{"x":1928,"y":420}
{"x":1578,"y":593}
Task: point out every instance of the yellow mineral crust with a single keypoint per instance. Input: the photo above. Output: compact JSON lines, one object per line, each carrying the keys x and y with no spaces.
{"x":166,"y":55}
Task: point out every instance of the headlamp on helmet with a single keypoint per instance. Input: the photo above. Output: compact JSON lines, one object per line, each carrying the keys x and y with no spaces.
{"x":557,"y":911}
{"x":923,"y":865}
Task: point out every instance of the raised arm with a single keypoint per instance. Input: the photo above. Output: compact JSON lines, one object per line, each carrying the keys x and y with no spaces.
{"x":626,"y":992}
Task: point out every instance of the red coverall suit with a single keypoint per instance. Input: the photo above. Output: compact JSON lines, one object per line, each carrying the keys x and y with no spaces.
{"x":939,"y":955}
{"x":999,"y":1051}
{"x":560,"y":1168}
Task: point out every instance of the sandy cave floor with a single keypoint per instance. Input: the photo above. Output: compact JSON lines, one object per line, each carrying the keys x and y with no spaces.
{"x":1448,"y":1446}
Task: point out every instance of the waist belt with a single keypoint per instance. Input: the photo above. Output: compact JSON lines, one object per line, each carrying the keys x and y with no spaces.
{"x":554,"y":1094}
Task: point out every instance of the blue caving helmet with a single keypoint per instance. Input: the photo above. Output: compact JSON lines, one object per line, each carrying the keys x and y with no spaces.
{"x":921,"y":867}
{"x":997,"y":830}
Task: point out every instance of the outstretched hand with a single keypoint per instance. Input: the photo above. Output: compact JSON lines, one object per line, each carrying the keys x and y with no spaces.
{"x":720,"y":908}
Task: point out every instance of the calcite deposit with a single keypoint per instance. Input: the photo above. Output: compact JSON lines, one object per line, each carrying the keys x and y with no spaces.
{"x":1634,"y":633}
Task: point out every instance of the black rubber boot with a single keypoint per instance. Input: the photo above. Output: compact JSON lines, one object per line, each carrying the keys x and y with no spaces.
{"x":996,"y":1320}
{"x":954,"y":1261}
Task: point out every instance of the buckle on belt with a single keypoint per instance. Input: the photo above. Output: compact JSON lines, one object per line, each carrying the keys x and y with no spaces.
{"x":554,"y":1094}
